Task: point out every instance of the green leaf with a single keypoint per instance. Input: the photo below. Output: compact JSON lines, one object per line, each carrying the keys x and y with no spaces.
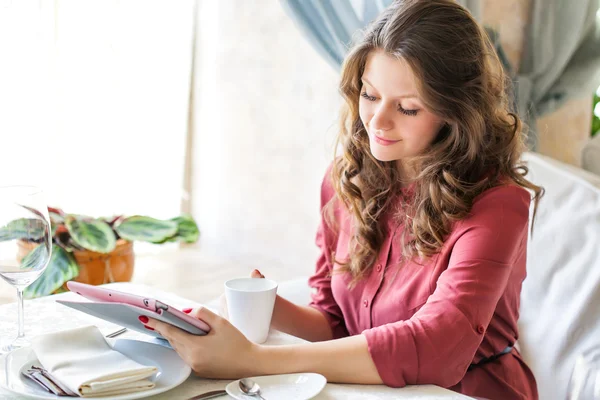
{"x":146,"y":229}
{"x":54,"y":228}
{"x":60,"y":290}
{"x":170,"y":239}
{"x":62,"y":268}
{"x":24,"y":228}
{"x":56,"y":218}
{"x":39,"y":255}
{"x":94,"y":235}
{"x":187,"y":229}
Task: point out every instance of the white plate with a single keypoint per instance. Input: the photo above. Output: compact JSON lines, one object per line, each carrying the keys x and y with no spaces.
{"x":172,"y":371}
{"x":289,"y":386}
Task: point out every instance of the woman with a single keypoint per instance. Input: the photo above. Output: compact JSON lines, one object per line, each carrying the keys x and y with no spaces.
{"x":424,"y":224}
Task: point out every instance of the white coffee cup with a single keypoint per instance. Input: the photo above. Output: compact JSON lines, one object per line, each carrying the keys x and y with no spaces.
{"x":250,"y":303}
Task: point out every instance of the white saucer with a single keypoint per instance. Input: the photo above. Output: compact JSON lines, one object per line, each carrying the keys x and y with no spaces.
{"x":172,"y":371}
{"x":302,"y":386}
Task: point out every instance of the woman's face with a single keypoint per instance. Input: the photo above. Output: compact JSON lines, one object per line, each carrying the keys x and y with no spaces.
{"x":398,"y":124}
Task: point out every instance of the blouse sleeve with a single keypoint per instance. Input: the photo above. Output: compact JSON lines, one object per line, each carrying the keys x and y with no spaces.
{"x":439,"y":342}
{"x":320,"y":282}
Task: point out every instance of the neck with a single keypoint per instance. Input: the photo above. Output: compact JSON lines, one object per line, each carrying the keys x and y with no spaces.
{"x":408,"y":172}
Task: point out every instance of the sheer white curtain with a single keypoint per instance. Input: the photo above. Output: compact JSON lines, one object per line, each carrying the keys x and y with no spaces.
{"x":265,"y":117}
{"x":94,"y":102}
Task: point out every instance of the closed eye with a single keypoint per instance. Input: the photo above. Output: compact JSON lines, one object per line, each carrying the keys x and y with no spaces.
{"x":404,"y":111}
{"x":366,"y":96}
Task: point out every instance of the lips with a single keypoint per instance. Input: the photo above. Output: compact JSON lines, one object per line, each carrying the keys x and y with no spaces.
{"x":384,"y":142}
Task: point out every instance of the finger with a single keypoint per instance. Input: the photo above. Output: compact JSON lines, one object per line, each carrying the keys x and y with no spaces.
{"x":180,"y":349}
{"x":204,"y":314}
{"x":256,"y":274}
{"x":168,"y":331}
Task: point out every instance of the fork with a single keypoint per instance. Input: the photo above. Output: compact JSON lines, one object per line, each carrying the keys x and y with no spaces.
{"x":43,"y":378}
{"x":116,"y":333}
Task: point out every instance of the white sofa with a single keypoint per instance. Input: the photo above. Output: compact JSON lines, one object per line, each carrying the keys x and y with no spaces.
{"x":560,"y":309}
{"x":560,"y":301}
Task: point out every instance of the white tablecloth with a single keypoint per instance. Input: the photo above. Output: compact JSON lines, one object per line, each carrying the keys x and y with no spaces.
{"x":45,"y":315}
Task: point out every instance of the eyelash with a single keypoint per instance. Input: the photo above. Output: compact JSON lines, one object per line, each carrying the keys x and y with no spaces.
{"x":411,"y":113}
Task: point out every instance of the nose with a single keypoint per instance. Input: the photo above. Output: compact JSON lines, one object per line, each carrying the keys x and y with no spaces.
{"x":381,"y":119}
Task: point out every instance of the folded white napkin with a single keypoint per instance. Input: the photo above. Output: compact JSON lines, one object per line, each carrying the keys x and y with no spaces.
{"x":83,"y":361}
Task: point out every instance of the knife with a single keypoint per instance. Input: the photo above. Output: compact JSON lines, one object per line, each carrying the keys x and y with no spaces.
{"x":209,"y":395}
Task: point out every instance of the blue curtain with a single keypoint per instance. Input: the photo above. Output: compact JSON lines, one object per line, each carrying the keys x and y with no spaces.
{"x":561,"y":58}
{"x":330,"y":24}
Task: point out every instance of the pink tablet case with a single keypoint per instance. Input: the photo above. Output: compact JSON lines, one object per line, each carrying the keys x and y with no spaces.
{"x":124,"y":309}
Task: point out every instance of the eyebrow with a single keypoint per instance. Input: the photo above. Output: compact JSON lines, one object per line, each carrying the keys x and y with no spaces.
{"x":403,"y":96}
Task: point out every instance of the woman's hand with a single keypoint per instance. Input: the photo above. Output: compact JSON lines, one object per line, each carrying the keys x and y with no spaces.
{"x":301,"y":321}
{"x":223,"y":353}
{"x":223,"y":299}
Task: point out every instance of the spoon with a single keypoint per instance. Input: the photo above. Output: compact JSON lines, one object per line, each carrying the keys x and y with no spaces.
{"x":248,"y":386}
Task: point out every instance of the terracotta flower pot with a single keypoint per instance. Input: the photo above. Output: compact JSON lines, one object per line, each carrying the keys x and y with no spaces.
{"x":98,"y":268}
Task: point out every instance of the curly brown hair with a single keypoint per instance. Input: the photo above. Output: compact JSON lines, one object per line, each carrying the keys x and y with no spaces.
{"x":461,"y":80}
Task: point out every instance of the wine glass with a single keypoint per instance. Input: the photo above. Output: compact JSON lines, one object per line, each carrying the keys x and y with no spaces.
{"x":23,"y":218}
{"x":585,"y":378}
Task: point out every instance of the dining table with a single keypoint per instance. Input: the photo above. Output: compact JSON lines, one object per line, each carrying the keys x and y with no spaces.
{"x":45,"y":315}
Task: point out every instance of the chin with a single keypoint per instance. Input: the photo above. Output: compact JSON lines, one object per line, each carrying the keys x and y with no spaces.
{"x":384,"y":154}
{"x":380,"y":156}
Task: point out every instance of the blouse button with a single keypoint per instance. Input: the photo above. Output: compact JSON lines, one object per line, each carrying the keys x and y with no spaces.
{"x":379,"y":267}
{"x":480,"y":329}
{"x":366,"y":303}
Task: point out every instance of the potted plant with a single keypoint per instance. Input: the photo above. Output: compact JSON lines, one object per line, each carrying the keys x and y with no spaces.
{"x":99,"y":250}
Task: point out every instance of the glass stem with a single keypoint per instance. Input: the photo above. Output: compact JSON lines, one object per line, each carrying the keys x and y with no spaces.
{"x":21,"y":311}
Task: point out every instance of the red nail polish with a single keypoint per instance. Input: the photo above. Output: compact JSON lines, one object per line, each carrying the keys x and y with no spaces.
{"x":187,"y":310}
{"x":147,"y":327}
{"x":143,"y":319}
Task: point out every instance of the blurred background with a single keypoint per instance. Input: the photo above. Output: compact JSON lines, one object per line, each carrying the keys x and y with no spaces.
{"x":227,"y":110}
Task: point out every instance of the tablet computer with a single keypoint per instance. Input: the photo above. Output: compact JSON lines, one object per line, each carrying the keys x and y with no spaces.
{"x":124,"y":309}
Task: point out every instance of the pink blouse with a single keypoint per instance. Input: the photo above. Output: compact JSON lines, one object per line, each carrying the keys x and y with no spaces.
{"x":426,"y":324}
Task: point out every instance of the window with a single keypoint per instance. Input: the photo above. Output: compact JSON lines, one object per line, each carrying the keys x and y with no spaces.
{"x":94,"y":101}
